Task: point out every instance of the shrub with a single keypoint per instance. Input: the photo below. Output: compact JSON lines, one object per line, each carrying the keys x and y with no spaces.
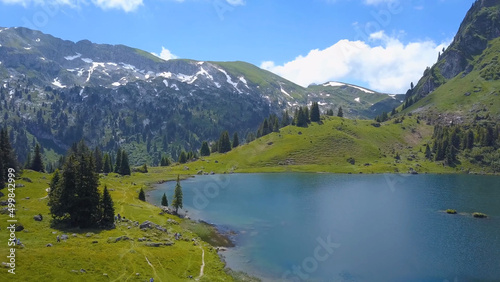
{"x":450,"y":211}
{"x":479,"y":215}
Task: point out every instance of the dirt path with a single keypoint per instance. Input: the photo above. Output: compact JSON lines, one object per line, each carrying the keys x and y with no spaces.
{"x":202,"y":268}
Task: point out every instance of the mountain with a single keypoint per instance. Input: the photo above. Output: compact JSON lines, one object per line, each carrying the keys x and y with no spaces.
{"x":360,"y":102}
{"x":57,"y":92}
{"x":463,"y":84}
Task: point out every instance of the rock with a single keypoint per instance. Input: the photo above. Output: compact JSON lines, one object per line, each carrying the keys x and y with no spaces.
{"x":83,"y":270}
{"x":149,"y":225}
{"x":95,"y":242}
{"x":5,"y":265}
{"x":412,"y":171}
{"x":117,"y":239}
{"x":19,"y":227}
{"x":27,"y":198}
{"x":49,"y":245}
{"x":27,"y":179}
{"x":19,"y":185}
{"x":216,"y":162}
{"x":54,"y":232}
{"x":153,"y":244}
{"x":105,"y":274}
{"x":3,"y":203}
{"x":64,"y":237}
{"x":74,"y":235}
{"x":38,"y":217}
{"x":200,"y":172}
{"x":467,"y":94}
{"x":137,"y":274}
{"x":142,"y":239}
{"x":186,"y":168}
{"x":212,"y":173}
{"x":90,"y":234}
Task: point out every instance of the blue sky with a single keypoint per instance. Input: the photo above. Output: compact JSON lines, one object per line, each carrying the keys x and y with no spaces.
{"x":380,"y":44}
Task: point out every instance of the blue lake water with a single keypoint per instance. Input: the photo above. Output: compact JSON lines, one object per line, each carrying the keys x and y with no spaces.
{"x":328,"y":227}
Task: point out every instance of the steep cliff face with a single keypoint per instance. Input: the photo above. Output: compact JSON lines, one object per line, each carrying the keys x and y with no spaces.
{"x":479,"y":27}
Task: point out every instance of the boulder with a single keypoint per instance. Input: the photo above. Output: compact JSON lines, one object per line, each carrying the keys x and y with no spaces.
{"x":19,"y":227}
{"x":64,"y":237}
{"x":38,"y":217}
{"x":49,"y":245}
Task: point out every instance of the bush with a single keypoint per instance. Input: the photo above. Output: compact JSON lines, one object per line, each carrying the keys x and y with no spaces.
{"x":450,"y":211}
{"x":351,"y":160}
{"x":479,"y":215}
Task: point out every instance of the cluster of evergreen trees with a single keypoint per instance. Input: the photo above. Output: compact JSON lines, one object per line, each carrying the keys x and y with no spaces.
{"x":450,"y":140}
{"x":8,"y":158}
{"x":74,"y":196}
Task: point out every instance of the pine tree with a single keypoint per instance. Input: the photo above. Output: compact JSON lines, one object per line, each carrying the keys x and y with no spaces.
{"x":205,"y":150}
{"x":315,"y":115}
{"x":7,"y":153}
{"x":107,"y":208}
{"x":118,"y":162}
{"x":340,"y":113}
{"x":183,"y":157}
{"x":98,"y":160}
{"x":307,"y":115}
{"x":224,"y":143}
{"x":125,"y":166}
{"x":285,"y":120}
{"x":177,"y":202}
{"x":428,"y":153}
{"x":37,"y":164}
{"x":329,"y":112}
{"x":300,"y":118}
{"x":107,"y":167}
{"x":236,"y":140}
{"x":164,"y":200}
{"x":142,"y":196}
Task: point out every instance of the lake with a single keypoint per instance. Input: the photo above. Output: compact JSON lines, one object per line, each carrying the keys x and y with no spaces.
{"x":329,"y":227}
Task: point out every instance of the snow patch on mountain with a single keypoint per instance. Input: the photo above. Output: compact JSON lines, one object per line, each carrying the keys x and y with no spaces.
{"x":165,"y":82}
{"x":37,"y":40}
{"x":362,"y":89}
{"x":57,"y":83}
{"x":242,"y":79}
{"x":71,"y":58}
{"x":230,"y":80}
{"x":334,"y":84}
{"x":284,"y":92}
{"x":116,"y":84}
{"x":87,"y":60}
{"x":175,"y":87}
{"x":358,"y":100}
{"x":165,"y":74}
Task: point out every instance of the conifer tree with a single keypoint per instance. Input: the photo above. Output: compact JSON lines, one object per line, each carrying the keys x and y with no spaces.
{"x":177,"y":202}
{"x":300,"y":119}
{"x":107,"y":167}
{"x":142,"y":196}
{"x":236,"y":140}
{"x":7,"y":153}
{"x":98,"y":160}
{"x":164,"y":200}
{"x":285,"y":120}
{"x":118,"y":162}
{"x":183,"y":157}
{"x":340,"y":113}
{"x":224,"y":143}
{"x":428,"y":153}
{"x":37,"y":164}
{"x":315,"y":115}
{"x":107,"y":207}
{"x":125,"y":166}
{"x":205,"y":150}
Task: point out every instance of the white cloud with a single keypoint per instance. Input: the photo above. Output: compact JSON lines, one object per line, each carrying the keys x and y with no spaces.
{"x":125,"y":5}
{"x":388,"y":67}
{"x":165,"y":54}
{"x":236,"y":2}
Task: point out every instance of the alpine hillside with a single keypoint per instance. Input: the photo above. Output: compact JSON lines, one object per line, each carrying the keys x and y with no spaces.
{"x":463,"y":84}
{"x":57,"y":92}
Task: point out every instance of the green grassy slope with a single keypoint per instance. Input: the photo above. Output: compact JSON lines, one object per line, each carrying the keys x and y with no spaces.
{"x":327,"y":147}
{"x":120,"y":261}
{"x":468,"y":94}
